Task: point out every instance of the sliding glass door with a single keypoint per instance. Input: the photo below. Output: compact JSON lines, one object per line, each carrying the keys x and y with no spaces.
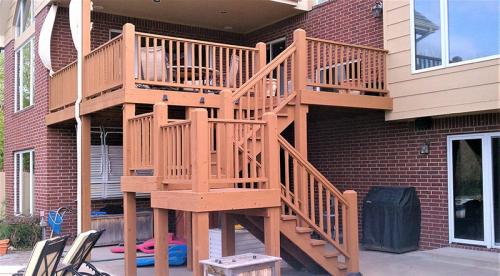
{"x":474,"y":189}
{"x":495,"y":156}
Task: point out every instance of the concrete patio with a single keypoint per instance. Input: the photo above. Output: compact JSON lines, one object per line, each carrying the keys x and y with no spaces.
{"x":438,"y":262}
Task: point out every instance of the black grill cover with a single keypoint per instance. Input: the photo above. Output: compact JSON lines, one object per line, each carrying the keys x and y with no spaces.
{"x":391,"y":219}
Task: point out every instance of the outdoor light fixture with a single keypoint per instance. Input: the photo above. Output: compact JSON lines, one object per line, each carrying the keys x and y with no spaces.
{"x":424,"y":148}
{"x":157,"y":1}
{"x":165,"y":98}
{"x":377,"y":9}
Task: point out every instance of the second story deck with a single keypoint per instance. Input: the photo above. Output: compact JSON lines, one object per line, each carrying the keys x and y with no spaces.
{"x":137,"y":67}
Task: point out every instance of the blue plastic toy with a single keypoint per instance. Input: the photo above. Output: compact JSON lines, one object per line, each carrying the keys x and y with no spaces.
{"x":177,"y":255}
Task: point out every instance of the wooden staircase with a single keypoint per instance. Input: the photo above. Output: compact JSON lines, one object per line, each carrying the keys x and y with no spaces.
{"x":307,"y":196}
{"x":237,"y":162}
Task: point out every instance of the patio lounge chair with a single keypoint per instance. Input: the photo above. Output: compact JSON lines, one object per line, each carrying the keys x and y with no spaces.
{"x":78,"y":253}
{"x":44,"y":258}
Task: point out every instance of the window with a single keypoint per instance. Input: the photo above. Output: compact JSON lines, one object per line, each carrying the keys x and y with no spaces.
{"x":23,"y":182}
{"x":114,"y":33}
{"x":474,"y":189}
{"x":448,"y":32}
{"x":274,"y":48}
{"x":24,"y":76}
{"x":24,"y":16}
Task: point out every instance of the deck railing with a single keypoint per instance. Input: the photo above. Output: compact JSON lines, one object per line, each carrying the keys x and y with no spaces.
{"x":103,"y":69}
{"x":346,"y":68}
{"x":267,"y":89}
{"x":62,"y":87}
{"x":141,"y":60}
{"x":191,"y":64}
{"x":141,"y":142}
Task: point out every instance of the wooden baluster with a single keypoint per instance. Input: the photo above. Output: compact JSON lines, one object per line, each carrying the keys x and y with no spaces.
{"x":312,"y":197}
{"x":336,"y":224}
{"x":178,"y":61}
{"x":320,"y":206}
{"x":328,"y":214}
{"x":170,"y":61}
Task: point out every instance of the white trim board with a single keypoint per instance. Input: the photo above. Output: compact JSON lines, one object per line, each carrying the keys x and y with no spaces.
{"x":487,"y":173}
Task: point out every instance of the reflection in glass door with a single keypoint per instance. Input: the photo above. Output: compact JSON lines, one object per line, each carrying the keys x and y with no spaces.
{"x":468,"y":189}
{"x":495,"y":157}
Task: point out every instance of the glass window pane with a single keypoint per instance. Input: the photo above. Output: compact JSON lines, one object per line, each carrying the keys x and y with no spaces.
{"x":495,"y":143}
{"x":26,"y":16}
{"x":473,"y":29}
{"x":26,"y":85}
{"x":468,"y":189}
{"x":24,"y":181}
{"x":25,"y":63}
{"x":427,"y":26}
{"x":26,"y":171}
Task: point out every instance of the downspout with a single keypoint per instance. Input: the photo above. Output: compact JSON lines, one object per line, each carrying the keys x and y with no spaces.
{"x":76,"y":21}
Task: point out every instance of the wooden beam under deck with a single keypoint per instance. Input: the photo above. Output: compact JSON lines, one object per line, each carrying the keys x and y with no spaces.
{"x":60,"y":116}
{"x":346,"y":100}
{"x":216,"y":199}
{"x":191,"y":99}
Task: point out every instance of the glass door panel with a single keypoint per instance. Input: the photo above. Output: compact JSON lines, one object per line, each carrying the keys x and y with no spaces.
{"x":468,"y":189}
{"x":495,"y":156}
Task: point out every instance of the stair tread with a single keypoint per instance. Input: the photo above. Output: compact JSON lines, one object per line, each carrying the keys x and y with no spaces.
{"x":331,"y":254}
{"x":303,"y":230}
{"x":288,"y":217}
{"x":315,"y":242}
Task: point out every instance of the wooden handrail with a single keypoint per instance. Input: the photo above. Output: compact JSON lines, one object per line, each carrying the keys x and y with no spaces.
{"x":263,"y":72}
{"x":348,"y":45}
{"x":311,"y":168}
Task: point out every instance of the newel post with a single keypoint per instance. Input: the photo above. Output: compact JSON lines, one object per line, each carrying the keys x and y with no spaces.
{"x":300,"y":70}
{"x":272,"y":168}
{"x":226,"y":146}
{"x":128,"y":56}
{"x":351,"y":235}
{"x":261,"y":56}
{"x":199,"y":149}
{"x":271,"y":150}
{"x":160,"y":118}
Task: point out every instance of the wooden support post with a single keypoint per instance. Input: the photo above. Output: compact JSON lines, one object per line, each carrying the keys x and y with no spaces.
{"x":272,"y":164}
{"x":199,"y":150}
{"x":272,"y":232}
{"x":225,"y":146}
{"x":85,"y":173}
{"x":129,"y":202}
{"x":300,"y":112}
{"x":128,"y":58}
{"x":351,"y":234}
{"x":200,"y":241}
{"x":271,"y":150}
{"x":86,"y":29}
{"x":188,"y":219}
{"x":160,"y":118}
{"x":228,"y":235}
{"x":161,"y":244}
{"x":130,"y":236}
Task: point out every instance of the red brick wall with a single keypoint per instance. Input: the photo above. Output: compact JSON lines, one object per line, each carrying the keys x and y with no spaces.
{"x":55,"y":149}
{"x":348,"y":21}
{"x":357,"y":150}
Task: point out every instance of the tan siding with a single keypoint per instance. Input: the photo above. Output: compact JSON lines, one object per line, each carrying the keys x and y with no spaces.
{"x":472,"y":87}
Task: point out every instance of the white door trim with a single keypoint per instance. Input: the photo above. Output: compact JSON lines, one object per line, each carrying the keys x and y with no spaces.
{"x":486,"y":138}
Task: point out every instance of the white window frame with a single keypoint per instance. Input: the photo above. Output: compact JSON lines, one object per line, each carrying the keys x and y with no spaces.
{"x":488,"y":217}
{"x":114,"y":31}
{"x":445,"y":63}
{"x":19,"y":76}
{"x":17,"y":168}
{"x":271,"y":43}
{"x":20,"y":13}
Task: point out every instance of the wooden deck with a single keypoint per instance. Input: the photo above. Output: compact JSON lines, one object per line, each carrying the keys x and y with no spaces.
{"x":192,"y":73}
{"x":227,"y":155}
